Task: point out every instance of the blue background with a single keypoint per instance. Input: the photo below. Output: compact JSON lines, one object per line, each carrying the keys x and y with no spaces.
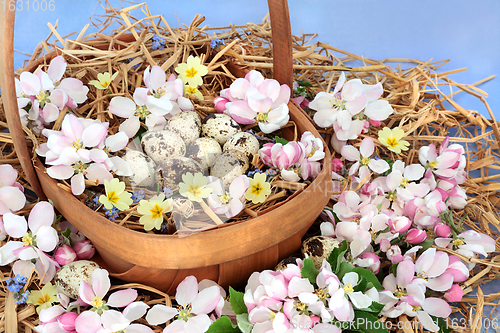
{"x":466,"y":32}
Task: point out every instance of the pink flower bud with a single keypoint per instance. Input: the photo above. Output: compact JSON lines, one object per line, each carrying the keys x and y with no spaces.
{"x":64,"y":255}
{"x":220,"y":104}
{"x":399,"y":224}
{"x":416,"y":236}
{"x":84,"y":249}
{"x":375,"y":123}
{"x":442,"y":230}
{"x":67,"y":321}
{"x":337,"y":165}
{"x":454,"y":294}
{"x":265,"y":153}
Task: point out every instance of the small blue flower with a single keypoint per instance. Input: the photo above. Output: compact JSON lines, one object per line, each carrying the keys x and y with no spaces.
{"x":137,"y":195}
{"x":217,"y":44}
{"x":112,"y":213}
{"x":21,"y":298}
{"x":168,"y":192}
{"x":158,"y":42}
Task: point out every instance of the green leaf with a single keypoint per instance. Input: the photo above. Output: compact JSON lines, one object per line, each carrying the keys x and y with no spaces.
{"x":344,"y":268}
{"x":236,"y":301}
{"x":304,"y":83}
{"x":66,"y":232}
{"x":369,"y":276}
{"x":223,"y":325}
{"x":308,"y":271}
{"x":443,"y":325}
{"x":368,"y":323}
{"x":280,"y":140}
{"x":243,"y":323}
{"x":426,"y":244}
{"x":336,"y":256}
{"x":375,"y":308}
{"x":361,"y":286}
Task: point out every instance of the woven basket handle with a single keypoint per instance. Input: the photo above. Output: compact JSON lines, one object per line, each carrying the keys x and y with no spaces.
{"x":9,"y":99}
{"x":282,"y":60}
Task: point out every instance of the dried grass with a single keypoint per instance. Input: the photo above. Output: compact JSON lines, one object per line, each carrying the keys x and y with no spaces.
{"x":423,"y":110}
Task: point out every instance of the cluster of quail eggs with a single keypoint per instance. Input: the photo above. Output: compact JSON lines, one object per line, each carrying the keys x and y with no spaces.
{"x":214,"y":146}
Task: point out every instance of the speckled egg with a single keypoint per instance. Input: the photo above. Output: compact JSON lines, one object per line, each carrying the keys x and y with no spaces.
{"x":169,"y":173}
{"x":187,"y":124}
{"x":204,"y":151}
{"x":143,"y":168}
{"x":229,"y":165}
{"x":220,"y":127}
{"x":69,"y":276}
{"x":319,"y":248}
{"x":162,"y":145}
{"x":244,"y":142}
{"x":281,"y":266}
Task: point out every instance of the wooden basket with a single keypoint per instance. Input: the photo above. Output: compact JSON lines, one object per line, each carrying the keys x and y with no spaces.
{"x":228,"y":254}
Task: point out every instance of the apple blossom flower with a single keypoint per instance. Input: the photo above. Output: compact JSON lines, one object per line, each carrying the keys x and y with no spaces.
{"x":103,"y":80}
{"x":91,"y":321}
{"x":193,"y":310}
{"x":442,"y":230}
{"x":348,"y":107}
{"x":141,"y":108}
{"x":258,"y":188}
{"x":392,"y":139}
{"x":194,"y":187}
{"x":368,"y":260}
{"x":228,"y":202}
{"x":64,"y":255}
{"x":400,"y":181}
{"x":116,"y":196}
{"x":363,"y":160}
{"x":166,"y":95}
{"x":152,"y":211}
{"x":192,"y":71}
{"x":38,"y":237}
{"x":431,"y":266}
{"x":469,"y":243}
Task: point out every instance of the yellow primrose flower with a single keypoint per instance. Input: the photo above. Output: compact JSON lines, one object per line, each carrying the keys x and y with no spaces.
{"x":152,"y":211}
{"x":103,"y":80}
{"x":258,"y":188}
{"x":191,"y":90}
{"x":192,"y":71}
{"x":44,"y":298}
{"x":116,"y":196}
{"x":392,"y":139}
{"x":194,"y":187}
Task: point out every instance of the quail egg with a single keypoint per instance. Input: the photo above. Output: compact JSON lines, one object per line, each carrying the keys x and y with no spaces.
{"x":319,"y":248}
{"x":229,"y":165}
{"x":143,"y":169}
{"x":68,"y":278}
{"x":162,"y":145}
{"x":244,"y":142}
{"x":187,"y":124}
{"x":220,"y":127}
{"x":169,"y":174}
{"x":204,"y":151}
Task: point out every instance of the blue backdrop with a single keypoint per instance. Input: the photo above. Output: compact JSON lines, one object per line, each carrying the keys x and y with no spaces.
{"x":467,"y":32}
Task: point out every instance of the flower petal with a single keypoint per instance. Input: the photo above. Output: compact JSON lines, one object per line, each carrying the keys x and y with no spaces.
{"x":160,"y":314}
{"x":41,"y":215}
{"x":15,"y":225}
{"x":88,"y":322}
{"x":46,"y":238}
{"x":122,"y":298}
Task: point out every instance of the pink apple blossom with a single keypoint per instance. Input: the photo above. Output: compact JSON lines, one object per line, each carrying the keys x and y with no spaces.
{"x":64,"y":255}
{"x":228,"y":202}
{"x":84,"y":249}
